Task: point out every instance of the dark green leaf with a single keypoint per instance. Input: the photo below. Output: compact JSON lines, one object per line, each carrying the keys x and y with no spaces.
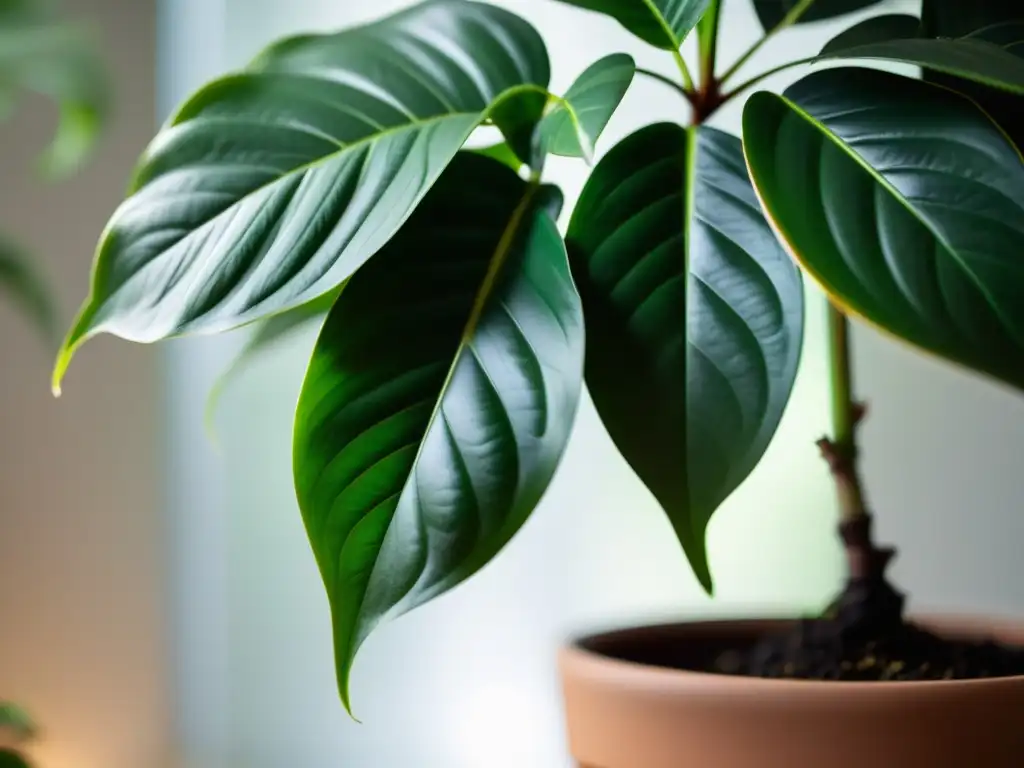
{"x":11,"y":759}
{"x":896,"y":38}
{"x":694,"y":318}
{"x":956,"y":18}
{"x":574,"y":125}
{"x":439,"y":399}
{"x":772,"y":12}
{"x":38,"y":53}
{"x":663,"y":23}
{"x":997,"y":21}
{"x":271,"y":186}
{"x":21,"y":281}
{"x":905,"y":202}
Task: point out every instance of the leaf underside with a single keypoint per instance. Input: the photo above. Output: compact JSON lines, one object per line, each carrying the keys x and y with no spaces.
{"x":662,"y":23}
{"x":694,"y":318}
{"x":438,"y":400}
{"x":906,"y":203}
{"x":771,"y":12}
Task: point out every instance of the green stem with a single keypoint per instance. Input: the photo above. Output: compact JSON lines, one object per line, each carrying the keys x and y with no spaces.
{"x":737,"y":90}
{"x":707,"y":39}
{"x":683,"y":70}
{"x":666,"y":81}
{"x":841,"y":450}
{"x":842,"y":376}
{"x":791,"y":18}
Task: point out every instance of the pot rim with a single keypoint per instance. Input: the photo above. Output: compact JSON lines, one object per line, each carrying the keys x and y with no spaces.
{"x":576,"y":653}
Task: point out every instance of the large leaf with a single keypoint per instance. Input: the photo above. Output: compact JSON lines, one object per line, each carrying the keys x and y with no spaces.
{"x":897,"y":38}
{"x":574,"y":125}
{"x":270,"y":187}
{"x":906,"y":202}
{"x":772,"y":12}
{"x":662,"y":23}
{"x":694,"y":318}
{"x":998,"y":21}
{"x":21,"y":282}
{"x":38,"y":53}
{"x":439,"y":399}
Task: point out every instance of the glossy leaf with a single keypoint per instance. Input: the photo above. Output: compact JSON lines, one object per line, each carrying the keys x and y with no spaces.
{"x":439,"y":399}
{"x":905,"y":202}
{"x":694,"y":318}
{"x":578,"y":118}
{"x":997,"y":21}
{"x":956,"y":18}
{"x":21,"y":282}
{"x":662,"y":23}
{"x":772,"y":12}
{"x":896,"y":38}
{"x":271,"y":186}
{"x":41,"y":54}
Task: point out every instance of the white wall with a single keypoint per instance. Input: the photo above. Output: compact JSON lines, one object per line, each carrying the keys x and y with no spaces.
{"x":82,"y":610}
{"x":468,"y":681}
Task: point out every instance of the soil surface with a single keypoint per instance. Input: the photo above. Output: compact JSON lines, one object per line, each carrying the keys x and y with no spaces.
{"x":863,"y":637}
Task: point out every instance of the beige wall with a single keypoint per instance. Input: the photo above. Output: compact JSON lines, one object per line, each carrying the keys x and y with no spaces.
{"x":81,"y":599}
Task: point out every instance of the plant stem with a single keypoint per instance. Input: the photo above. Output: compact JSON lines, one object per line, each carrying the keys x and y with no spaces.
{"x":840,"y":451}
{"x":666,"y":81}
{"x":791,"y":18}
{"x":707,"y":40}
{"x":864,"y":559}
{"x":843,"y":417}
{"x":738,"y":89}
{"x":683,"y":70}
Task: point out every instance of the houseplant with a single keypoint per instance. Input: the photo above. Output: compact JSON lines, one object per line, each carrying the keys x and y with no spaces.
{"x":443,"y":386}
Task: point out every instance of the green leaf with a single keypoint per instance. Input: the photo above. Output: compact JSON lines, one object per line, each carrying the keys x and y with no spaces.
{"x":772,"y":12}
{"x":17,"y":721}
{"x":439,"y":399}
{"x":267,"y":334}
{"x":943,"y":18}
{"x":11,"y":759}
{"x":40,"y":54}
{"x":905,"y":202}
{"x":896,"y":38}
{"x":662,"y":23}
{"x":22,"y":282}
{"x":998,"y":21}
{"x":694,"y":318}
{"x":271,"y":186}
{"x":574,"y":125}
{"x":503,"y":153}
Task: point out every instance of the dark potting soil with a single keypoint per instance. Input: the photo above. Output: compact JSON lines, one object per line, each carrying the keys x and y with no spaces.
{"x":863,"y":637}
{"x":819,"y":649}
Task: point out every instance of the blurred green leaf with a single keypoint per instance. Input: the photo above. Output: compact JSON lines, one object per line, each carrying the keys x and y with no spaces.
{"x":17,"y":721}
{"x":44,"y":55}
{"x":20,"y":280}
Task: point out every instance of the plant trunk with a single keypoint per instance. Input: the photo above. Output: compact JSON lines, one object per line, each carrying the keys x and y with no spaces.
{"x":868,"y":596}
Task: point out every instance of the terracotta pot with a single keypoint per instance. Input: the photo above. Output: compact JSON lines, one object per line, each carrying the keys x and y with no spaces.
{"x":626,"y":714}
